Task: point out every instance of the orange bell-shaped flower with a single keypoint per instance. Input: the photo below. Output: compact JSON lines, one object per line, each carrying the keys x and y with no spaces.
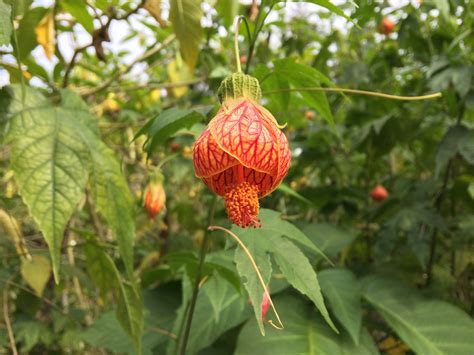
{"x":242,"y":154}
{"x":154,"y":196}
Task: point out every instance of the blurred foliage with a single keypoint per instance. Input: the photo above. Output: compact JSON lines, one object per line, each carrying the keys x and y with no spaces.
{"x":84,"y":269}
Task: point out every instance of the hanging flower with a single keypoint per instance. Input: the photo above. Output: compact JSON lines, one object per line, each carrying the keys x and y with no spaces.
{"x":242,"y":155}
{"x":379,"y":193}
{"x":154,"y":196}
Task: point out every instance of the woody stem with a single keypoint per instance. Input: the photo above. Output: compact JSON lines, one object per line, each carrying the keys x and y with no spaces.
{"x":192,"y":304}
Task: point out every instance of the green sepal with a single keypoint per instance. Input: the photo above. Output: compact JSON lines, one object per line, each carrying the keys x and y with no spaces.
{"x":239,"y":85}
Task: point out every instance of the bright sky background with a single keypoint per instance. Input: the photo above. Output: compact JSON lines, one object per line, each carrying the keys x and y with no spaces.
{"x":120,"y":29}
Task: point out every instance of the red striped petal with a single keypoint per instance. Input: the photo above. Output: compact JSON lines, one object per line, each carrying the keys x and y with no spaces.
{"x":243,"y":131}
{"x":208,"y":158}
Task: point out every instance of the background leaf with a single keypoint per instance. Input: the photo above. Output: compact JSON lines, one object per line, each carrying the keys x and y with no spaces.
{"x":36,"y":272}
{"x":427,"y":326}
{"x":54,"y":184}
{"x":305,"y":333}
{"x":5,"y":23}
{"x":185,"y":16}
{"x":300,"y":274}
{"x":168,"y":123}
{"x":26,"y":41}
{"x":78,"y":10}
{"x":342,"y":291}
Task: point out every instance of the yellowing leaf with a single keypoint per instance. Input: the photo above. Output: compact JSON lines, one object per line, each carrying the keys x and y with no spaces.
{"x":12,"y":228}
{"x":185,"y":16}
{"x":154,"y":8}
{"x":36,"y":272}
{"x":155,"y":95}
{"x":45,"y":34}
{"x":178,"y":72}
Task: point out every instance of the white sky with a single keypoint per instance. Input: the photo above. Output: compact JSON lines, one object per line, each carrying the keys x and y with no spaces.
{"x":120,"y":29}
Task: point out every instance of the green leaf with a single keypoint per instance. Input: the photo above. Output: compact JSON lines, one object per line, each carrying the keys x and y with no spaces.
{"x":167,"y":124}
{"x":305,"y":332}
{"x":302,"y":76}
{"x":227,"y":10}
{"x":53,"y":150}
{"x":110,"y":191}
{"x":342,"y":290}
{"x":5,"y":23}
{"x":30,"y":333}
{"x":251,"y":282}
{"x":274,"y":226}
{"x":458,"y":139}
{"x":98,"y":267}
{"x":36,"y":272}
{"x":330,"y":239}
{"x":185,"y":15}
{"x":297,"y":269}
{"x":443,"y":6}
{"x":330,"y":6}
{"x":288,"y":190}
{"x":205,"y":329}
{"x":19,"y":6}
{"x":113,"y":198}
{"x":274,"y":239}
{"x":25,"y":33}
{"x":160,"y":306}
{"x":50,"y":164}
{"x":129,"y":306}
{"x":426,"y":326}
{"x":78,"y":10}
{"x":106,"y":332}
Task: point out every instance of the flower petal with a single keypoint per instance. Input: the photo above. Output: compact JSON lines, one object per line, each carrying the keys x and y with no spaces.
{"x":243,"y":131}
{"x":208,"y":158}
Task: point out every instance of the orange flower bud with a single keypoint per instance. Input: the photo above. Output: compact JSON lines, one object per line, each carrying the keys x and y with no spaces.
{"x":154,"y":198}
{"x":242,"y":154}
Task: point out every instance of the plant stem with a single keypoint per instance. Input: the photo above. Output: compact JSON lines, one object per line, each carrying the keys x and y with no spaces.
{"x":197,"y":280}
{"x":8,"y":324}
{"x":256,"y":31}
{"x":360,"y":92}
{"x":236,"y":43}
{"x":438,"y":203}
{"x":18,"y":61}
{"x":165,"y":43}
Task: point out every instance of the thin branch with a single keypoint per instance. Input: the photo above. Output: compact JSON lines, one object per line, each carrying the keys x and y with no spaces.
{"x":72,"y":63}
{"x":43,"y":299}
{"x":103,"y":28}
{"x":438,"y":203}
{"x":8,"y":323}
{"x":359,"y":92}
{"x":183,"y":339}
{"x":150,"y":86}
{"x":162,"y":331}
{"x":120,"y":73}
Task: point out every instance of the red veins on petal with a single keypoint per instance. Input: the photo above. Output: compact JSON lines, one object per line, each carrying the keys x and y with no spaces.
{"x":242,"y":131}
{"x":243,"y":156}
{"x":208,"y":158}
